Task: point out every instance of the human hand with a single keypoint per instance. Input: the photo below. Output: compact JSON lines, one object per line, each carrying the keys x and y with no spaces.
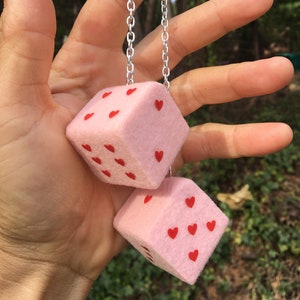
{"x":55,"y":216}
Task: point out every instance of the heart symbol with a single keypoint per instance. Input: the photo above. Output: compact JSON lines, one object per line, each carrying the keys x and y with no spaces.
{"x":193,"y":255}
{"x":106,"y":94}
{"x":130,"y":91}
{"x":120,"y":161}
{"x":110,"y":148}
{"x":147,"y":198}
{"x":113,"y":113}
{"x":192,"y":229}
{"x":190,"y":201}
{"x":106,"y":173}
{"x":130,"y":175}
{"x":211,"y":225}
{"x":97,"y":160}
{"x":159,"y":104}
{"x":159,"y":155}
{"x":87,"y":147}
{"x":88,"y":116}
{"x":173,"y":232}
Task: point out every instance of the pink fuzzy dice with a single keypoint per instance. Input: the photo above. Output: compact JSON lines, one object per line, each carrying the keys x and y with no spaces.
{"x":176,"y":227}
{"x":129,"y":135}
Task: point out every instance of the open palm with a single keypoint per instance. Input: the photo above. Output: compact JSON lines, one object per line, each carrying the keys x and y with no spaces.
{"x":52,"y":208}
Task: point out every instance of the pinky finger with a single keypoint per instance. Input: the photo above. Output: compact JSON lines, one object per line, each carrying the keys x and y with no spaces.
{"x":213,"y":140}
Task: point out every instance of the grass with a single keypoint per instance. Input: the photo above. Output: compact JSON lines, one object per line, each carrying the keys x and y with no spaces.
{"x":258,"y":257}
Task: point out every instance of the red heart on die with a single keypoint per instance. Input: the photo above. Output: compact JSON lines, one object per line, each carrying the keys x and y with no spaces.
{"x":159,"y":155}
{"x":192,"y":229}
{"x":130,"y":91}
{"x":172,"y":232}
{"x":106,"y":173}
{"x":159,"y":104}
{"x":190,"y":201}
{"x":87,"y":147}
{"x":113,"y":113}
{"x":130,"y":175}
{"x":211,"y":225}
{"x":147,"y":198}
{"x":97,"y":160}
{"x":106,"y":94}
{"x":110,"y":148}
{"x":88,"y":116}
{"x":120,"y":161}
{"x":193,"y":255}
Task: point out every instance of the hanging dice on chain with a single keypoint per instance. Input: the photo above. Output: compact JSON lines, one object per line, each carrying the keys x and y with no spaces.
{"x":130,"y":135}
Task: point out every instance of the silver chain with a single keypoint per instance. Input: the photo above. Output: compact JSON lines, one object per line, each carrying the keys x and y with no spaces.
{"x":130,"y":40}
{"x":165,"y":39}
{"x":130,"y":21}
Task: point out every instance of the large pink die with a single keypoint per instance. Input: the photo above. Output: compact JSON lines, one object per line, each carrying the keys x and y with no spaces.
{"x":130,"y":135}
{"x":176,"y":227}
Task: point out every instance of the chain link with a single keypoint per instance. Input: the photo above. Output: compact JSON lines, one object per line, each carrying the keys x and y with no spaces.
{"x":130,"y":21}
{"x":165,"y":39}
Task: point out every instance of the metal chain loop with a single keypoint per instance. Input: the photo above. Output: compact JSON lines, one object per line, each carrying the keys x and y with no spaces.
{"x":130,"y":21}
{"x":165,"y":39}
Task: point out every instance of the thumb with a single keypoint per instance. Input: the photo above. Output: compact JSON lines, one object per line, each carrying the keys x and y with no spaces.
{"x":27,"y":42}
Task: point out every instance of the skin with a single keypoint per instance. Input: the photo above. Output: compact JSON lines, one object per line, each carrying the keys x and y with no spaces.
{"x":56,"y":233}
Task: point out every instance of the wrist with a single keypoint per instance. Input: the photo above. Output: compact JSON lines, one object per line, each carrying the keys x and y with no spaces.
{"x":26,"y":279}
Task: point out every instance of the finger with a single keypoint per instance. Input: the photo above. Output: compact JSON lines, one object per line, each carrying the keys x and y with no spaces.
{"x":197,"y":28}
{"x":28,"y":30}
{"x":227,"y":83}
{"x":93,"y":51}
{"x":102,"y":23}
{"x":231,"y":141}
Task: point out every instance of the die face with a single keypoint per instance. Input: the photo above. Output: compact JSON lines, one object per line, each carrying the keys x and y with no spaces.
{"x":190,"y":235}
{"x":178,"y":224}
{"x":141,"y":210}
{"x":165,"y":128}
{"x":129,"y":135}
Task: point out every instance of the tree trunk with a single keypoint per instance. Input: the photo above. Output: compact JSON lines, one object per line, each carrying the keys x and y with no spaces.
{"x":150,"y":16}
{"x":182,"y":6}
{"x":256,"y":41}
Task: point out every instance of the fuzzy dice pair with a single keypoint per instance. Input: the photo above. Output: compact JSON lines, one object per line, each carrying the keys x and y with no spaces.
{"x":130,"y":135}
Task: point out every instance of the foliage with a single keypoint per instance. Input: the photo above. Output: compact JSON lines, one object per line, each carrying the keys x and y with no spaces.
{"x":280,"y":26}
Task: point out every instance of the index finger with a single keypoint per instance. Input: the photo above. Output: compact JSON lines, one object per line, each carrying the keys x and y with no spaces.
{"x":102,"y":23}
{"x":195,"y":29}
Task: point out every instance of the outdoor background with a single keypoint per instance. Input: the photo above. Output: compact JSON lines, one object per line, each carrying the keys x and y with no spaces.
{"x":258,"y":257}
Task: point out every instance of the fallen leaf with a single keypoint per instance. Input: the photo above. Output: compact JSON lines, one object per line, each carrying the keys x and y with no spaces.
{"x":236,"y":200}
